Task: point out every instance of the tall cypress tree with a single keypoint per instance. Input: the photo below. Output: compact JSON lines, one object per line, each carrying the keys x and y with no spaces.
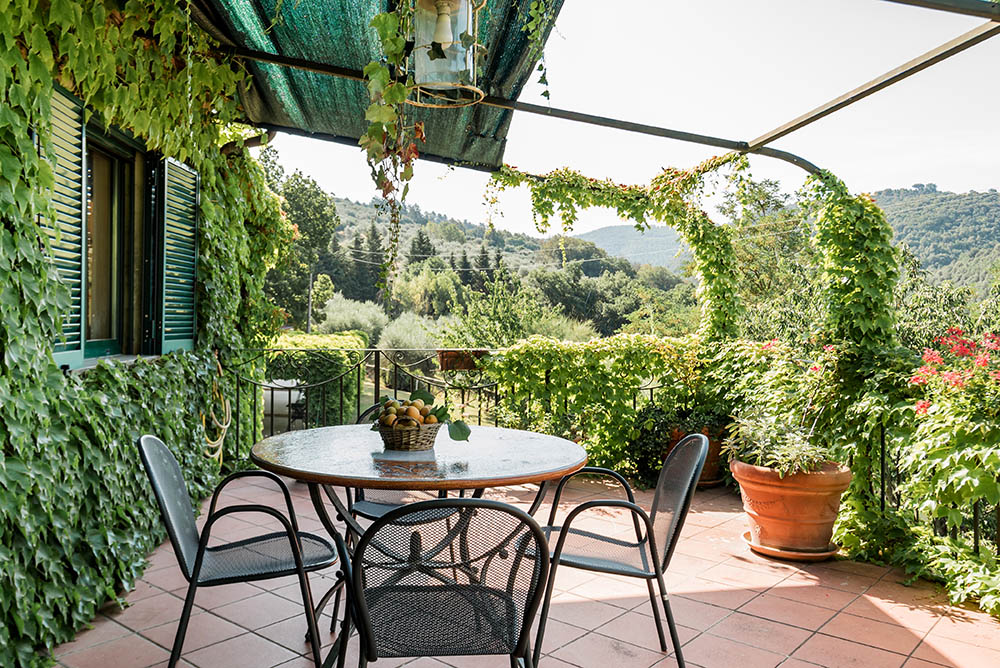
{"x":465,"y":269}
{"x":421,"y":248}
{"x":374,"y":256}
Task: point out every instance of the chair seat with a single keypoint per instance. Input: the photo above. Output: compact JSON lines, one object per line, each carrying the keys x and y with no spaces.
{"x":378,"y":502}
{"x":594,"y":552}
{"x":443,"y":620}
{"x":261,"y":557}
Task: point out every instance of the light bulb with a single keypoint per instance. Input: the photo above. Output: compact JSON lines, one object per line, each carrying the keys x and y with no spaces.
{"x":442,"y":29}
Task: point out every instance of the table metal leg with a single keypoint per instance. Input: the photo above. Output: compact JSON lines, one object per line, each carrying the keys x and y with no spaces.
{"x":543,"y":488}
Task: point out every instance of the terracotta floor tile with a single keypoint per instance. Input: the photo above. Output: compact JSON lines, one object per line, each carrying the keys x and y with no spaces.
{"x":204,"y":629}
{"x":240,"y":652}
{"x":882,"y":610}
{"x":870,"y":632}
{"x":130,"y":650}
{"x":688,"y":564}
{"x":713,"y":652}
{"x":836,"y":653}
{"x":210,"y":598}
{"x":824,"y":597}
{"x":715,"y":593}
{"x":640,"y":630}
{"x":969,"y":626}
{"x":103,"y":629}
{"x":626,"y":595}
{"x":857,"y":568}
{"x":920,"y":663}
{"x":150,"y":612}
{"x":557,"y":634}
{"x":760,"y":633}
{"x":828,"y":577}
{"x":788,"y":612}
{"x":597,"y":650}
{"x":582,"y":612}
{"x":166,"y":579}
{"x":950,"y":652}
{"x":797,"y":663}
{"x":922,"y":594}
{"x":741,"y":576}
{"x":695,"y":614}
{"x":260,"y":610}
{"x":290,"y":633}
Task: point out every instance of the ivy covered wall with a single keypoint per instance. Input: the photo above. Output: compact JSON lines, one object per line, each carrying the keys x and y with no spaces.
{"x":76,"y":514}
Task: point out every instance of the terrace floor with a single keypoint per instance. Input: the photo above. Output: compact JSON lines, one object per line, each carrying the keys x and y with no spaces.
{"x":734,"y":608}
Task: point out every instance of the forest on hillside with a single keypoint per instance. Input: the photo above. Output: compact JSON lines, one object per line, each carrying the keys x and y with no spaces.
{"x":457,"y":283}
{"x":956,"y":236}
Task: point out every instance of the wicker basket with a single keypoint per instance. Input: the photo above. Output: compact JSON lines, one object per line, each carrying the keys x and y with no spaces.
{"x":421,"y":438}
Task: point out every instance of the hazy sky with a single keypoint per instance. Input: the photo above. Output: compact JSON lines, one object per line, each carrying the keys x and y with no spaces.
{"x":734,"y":69}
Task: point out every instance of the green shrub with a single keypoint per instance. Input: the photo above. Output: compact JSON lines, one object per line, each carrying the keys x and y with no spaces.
{"x":555,"y":325}
{"x":344,"y":315}
{"x":415,"y":337}
{"x":774,"y":442}
{"x":313,"y":359}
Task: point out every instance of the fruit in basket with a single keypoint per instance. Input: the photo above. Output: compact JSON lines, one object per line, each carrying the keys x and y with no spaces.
{"x":417,"y":411}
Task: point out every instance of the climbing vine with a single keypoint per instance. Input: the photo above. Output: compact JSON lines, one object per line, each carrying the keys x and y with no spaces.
{"x":670,"y":198}
{"x":76,"y":516}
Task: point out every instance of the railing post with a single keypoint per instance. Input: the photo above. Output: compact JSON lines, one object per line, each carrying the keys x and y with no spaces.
{"x":378,"y":376}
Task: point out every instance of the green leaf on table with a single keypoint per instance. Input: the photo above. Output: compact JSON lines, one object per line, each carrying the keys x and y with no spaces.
{"x":459,"y":431}
{"x":423,"y":395}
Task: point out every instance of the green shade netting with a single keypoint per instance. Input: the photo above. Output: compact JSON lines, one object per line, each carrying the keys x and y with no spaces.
{"x":337,"y":32}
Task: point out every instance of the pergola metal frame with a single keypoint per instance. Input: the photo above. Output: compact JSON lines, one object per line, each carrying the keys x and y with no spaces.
{"x":977,"y":8}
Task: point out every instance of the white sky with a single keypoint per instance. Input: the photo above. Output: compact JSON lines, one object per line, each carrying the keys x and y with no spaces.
{"x":734,"y":69}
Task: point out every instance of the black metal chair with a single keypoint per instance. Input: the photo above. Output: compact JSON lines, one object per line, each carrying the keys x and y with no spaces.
{"x":409,"y":597}
{"x":272,"y":555}
{"x":646,"y":557}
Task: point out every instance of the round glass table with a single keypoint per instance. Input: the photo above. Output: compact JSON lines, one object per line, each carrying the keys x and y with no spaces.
{"x":353,"y":457}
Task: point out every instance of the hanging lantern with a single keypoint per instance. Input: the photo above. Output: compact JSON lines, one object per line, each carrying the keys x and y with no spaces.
{"x":445,"y":53}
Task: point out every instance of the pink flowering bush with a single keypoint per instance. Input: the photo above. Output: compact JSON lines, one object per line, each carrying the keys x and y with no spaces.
{"x":955,"y":455}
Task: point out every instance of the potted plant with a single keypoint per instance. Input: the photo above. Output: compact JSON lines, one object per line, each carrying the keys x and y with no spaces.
{"x":791,"y":487}
{"x":712,"y":422}
{"x":461,"y":359}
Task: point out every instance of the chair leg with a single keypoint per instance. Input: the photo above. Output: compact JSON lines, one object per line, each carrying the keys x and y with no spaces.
{"x":345,"y":637}
{"x":670,"y":622}
{"x":656,"y":615}
{"x":545,"y":612}
{"x":182,"y":624}
{"x":307,"y":602}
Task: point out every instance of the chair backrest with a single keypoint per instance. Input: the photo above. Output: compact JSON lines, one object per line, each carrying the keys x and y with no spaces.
{"x":449,"y":577}
{"x":366,"y":415}
{"x":674,"y":490}
{"x":172,"y":496}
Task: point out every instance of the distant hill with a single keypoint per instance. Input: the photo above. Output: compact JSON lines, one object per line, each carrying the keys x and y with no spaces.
{"x":956,"y":236}
{"x":448,"y":235}
{"x":656,"y":246}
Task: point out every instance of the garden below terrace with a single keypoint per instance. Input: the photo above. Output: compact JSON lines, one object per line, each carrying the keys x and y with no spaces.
{"x":732,"y":607}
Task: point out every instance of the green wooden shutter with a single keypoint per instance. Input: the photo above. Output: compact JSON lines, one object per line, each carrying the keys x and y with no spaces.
{"x":180,"y":256}
{"x":67,"y":231}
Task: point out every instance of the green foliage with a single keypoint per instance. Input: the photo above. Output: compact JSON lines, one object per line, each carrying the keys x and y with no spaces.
{"x":774,"y":442}
{"x":860,"y":266}
{"x":313,"y":214}
{"x":954,"y":235}
{"x":323,"y":291}
{"x":333,"y":384}
{"x":410,"y":330}
{"x":581,"y":391}
{"x":429,"y":288}
{"x":345,"y":314}
{"x":493,"y":319}
{"x":671,"y":198}
{"x":76,"y":512}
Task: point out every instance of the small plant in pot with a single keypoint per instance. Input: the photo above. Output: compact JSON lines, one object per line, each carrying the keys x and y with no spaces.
{"x":790,"y":486}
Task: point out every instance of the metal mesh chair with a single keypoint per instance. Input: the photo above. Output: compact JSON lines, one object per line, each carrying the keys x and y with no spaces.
{"x":411,"y":597}
{"x":272,"y":555}
{"x":647,"y":556}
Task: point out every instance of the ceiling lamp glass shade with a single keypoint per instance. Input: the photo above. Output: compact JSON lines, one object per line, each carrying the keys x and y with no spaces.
{"x":445,"y":50}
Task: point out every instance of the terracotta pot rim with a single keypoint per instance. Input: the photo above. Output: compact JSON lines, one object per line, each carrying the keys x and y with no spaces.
{"x":830,"y":468}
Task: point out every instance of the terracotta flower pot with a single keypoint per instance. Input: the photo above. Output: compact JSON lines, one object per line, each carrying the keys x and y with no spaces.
{"x":794,"y":514}
{"x":460,"y":360}
{"x":710,"y":475}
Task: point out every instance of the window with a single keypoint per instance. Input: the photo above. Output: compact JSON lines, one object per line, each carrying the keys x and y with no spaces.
{"x":123,"y":240}
{"x":107,"y":212}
